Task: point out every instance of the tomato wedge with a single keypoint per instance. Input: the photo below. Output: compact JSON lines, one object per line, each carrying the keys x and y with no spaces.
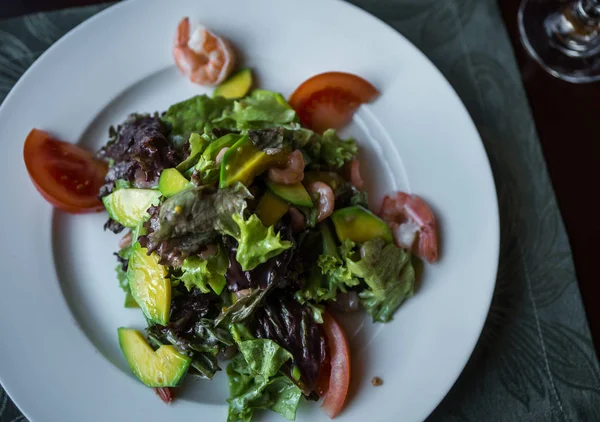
{"x":66,"y":175}
{"x":339,"y":379}
{"x":329,"y":100}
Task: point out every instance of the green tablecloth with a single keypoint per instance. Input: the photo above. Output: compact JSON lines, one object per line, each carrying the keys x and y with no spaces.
{"x":535,"y":360}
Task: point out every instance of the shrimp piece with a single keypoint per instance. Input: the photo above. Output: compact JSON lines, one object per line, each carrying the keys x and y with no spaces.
{"x":413,"y":224}
{"x":351,"y":172}
{"x":209,"y":251}
{"x":220,"y":155}
{"x":292,"y":173}
{"x":355,"y":177}
{"x":326,"y":202}
{"x":126,"y":240}
{"x":202,"y":56}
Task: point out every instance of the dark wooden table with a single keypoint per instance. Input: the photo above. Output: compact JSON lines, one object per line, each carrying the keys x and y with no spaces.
{"x":568,"y":122}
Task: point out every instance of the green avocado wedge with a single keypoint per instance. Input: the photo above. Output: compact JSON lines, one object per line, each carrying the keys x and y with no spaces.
{"x":295,"y":194}
{"x":149,"y":285}
{"x":172,"y":182}
{"x":165,"y":367}
{"x":237,"y":86}
{"x":243,"y":162}
{"x":271,"y":208}
{"x":359,"y":225}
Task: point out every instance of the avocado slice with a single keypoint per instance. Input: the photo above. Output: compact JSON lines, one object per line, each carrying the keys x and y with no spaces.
{"x":271,"y":208}
{"x":149,"y":284}
{"x":171,"y":182}
{"x":237,"y":86}
{"x":129,"y":206}
{"x":164,"y":367}
{"x":243,"y":161}
{"x":333,"y":179}
{"x":294,"y":194}
{"x":359,"y":225}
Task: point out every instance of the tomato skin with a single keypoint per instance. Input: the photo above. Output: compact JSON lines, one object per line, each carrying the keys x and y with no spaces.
{"x":339,"y":380}
{"x":66,"y":175}
{"x":329,"y":100}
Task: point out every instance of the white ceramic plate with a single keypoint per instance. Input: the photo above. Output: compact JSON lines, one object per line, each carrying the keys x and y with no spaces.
{"x":60,"y":304}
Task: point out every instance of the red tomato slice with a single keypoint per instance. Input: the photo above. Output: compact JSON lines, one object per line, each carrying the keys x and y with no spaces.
{"x":329,"y":100}
{"x":66,"y":175}
{"x":339,"y":380}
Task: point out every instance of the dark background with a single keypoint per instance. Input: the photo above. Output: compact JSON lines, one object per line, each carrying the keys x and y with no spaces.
{"x":568,"y":124}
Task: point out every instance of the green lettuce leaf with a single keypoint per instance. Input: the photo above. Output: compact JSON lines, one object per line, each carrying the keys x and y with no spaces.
{"x":202,"y":273}
{"x":255,"y":381}
{"x":261,"y":109}
{"x":330,"y":150}
{"x":331,"y":274}
{"x":199,"y":211}
{"x":122,"y":277}
{"x":208,"y":170}
{"x":324,"y":283}
{"x":195,"y":114}
{"x":388,"y":272}
{"x":193,"y":335}
{"x":197,"y":145}
{"x":122,"y":184}
{"x":256,"y":243}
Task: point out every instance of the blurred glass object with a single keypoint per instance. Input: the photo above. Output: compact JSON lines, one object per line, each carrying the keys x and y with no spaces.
{"x":563,"y":36}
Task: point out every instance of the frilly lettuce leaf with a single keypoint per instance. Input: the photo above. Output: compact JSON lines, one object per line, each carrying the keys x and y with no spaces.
{"x":261,"y":109}
{"x":208,"y":170}
{"x":256,"y":243}
{"x":324,"y":282}
{"x":202,"y":273}
{"x":389,"y":275}
{"x":330,"y":150}
{"x":255,"y":381}
{"x":197,"y":145}
{"x":195,"y":114}
{"x":331,"y":273}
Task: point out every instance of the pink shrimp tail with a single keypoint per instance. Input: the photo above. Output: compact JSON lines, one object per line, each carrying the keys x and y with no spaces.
{"x":427,"y":245}
{"x":183,"y":32}
{"x":181,"y":52}
{"x":404,"y":209}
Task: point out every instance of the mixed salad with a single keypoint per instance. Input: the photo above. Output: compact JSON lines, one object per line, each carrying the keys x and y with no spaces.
{"x":245,"y":225}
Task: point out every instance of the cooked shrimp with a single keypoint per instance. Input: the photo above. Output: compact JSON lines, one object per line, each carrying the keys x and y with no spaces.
{"x":202,"y":56}
{"x":355,"y":177}
{"x":292,"y":173}
{"x":220,"y":155}
{"x":326,"y":202}
{"x":413,"y":224}
{"x":209,"y":250}
{"x":298,"y":221}
{"x":126,"y":240}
